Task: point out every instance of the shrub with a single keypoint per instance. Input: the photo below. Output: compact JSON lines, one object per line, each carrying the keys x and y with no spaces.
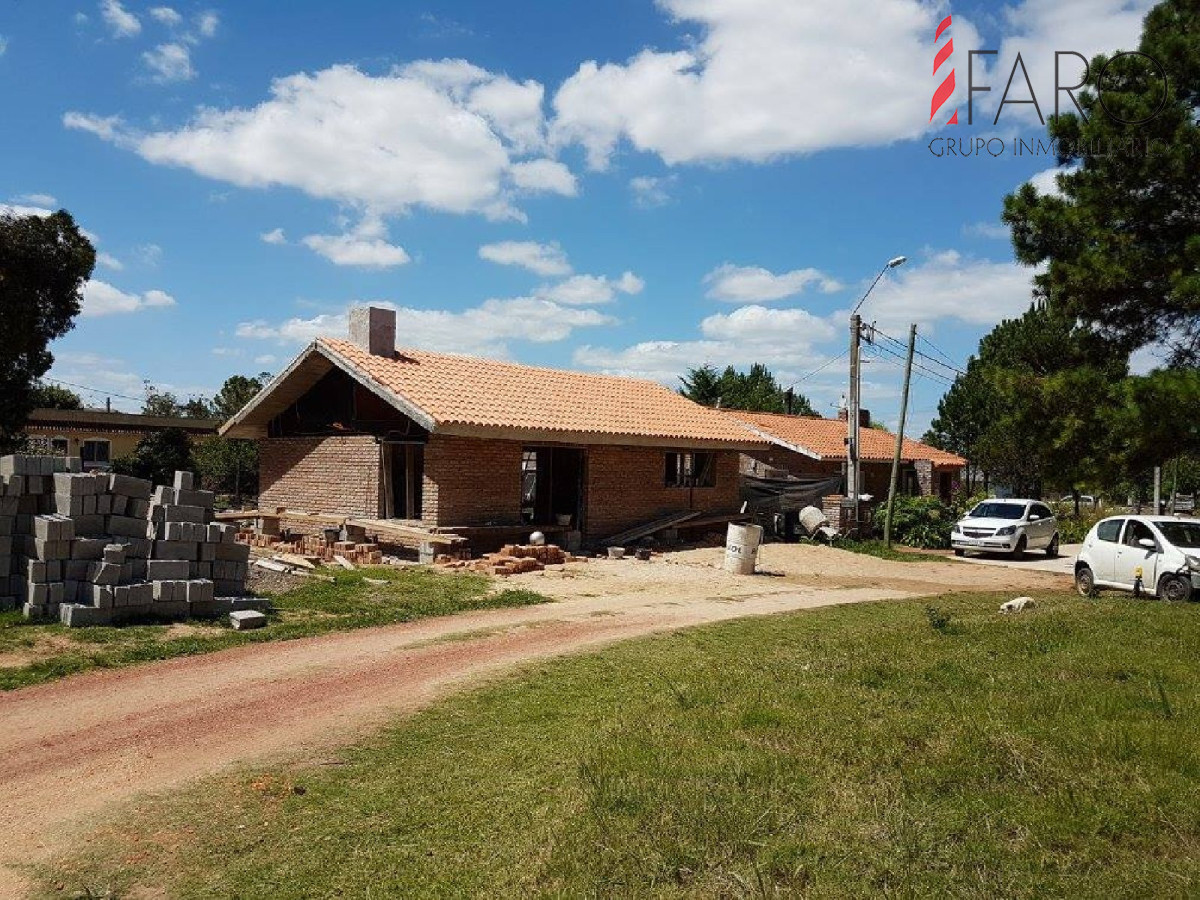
{"x":923,"y":522}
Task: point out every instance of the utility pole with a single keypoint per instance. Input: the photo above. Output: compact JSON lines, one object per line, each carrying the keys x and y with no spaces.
{"x":1157,"y":490}
{"x":852,"y":412}
{"x":887,"y":523}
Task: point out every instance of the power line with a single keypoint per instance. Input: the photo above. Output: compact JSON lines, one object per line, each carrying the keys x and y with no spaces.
{"x":938,"y":350}
{"x":817,"y":370}
{"x":80,"y":387}
{"x":920,"y":353}
{"x":930,"y":373}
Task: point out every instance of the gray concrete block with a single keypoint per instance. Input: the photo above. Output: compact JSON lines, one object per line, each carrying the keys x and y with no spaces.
{"x":175,"y":550}
{"x":141,"y":594}
{"x":164,"y":495}
{"x":38,"y":594}
{"x":35,"y":571}
{"x":207,"y":552}
{"x":35,"y":611}
{"x":74,"y":464}
{"x":137,"y":569}
{"x":202,"y":570}
{"x":138,"y":509}
{"x":46,"y":550}
{"x":233,"y":552}
{"x":104,"y":504}
{"x":203,"y":499}
{"x":54,"y":570}
{"x":7,"y":525}
{"x":120,"y":503}
{"x":184,"y":481}
{"x":104,"y":573}
{"x":174,"y":512}
{"x":167,"y":569}
{"x":176,"y":609}
{"x":209,"y":609}
{"x":88,"y":548}
{"x":128,"y":486}
{"x":114,"y":553}
{"x":124,"y":526}
{"x":68,"y":506}
{"x":200,"y":590}
{"x":245,"y":619}
{"x":8,"y":604}
{"x":229,"y":588}
{"x":76,"y":615}
{"x":6,"y":567}
{"x":89,"y":505}
{"x":89,"y":526}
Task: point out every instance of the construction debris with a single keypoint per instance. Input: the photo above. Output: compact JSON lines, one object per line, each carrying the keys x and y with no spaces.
{"x":98,"y":548}
{"x":244,"y":620}
{"x":313,"y":548}
{"x":513,"y":559}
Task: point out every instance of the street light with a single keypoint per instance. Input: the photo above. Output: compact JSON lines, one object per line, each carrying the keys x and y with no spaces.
{"x":853,"y":476}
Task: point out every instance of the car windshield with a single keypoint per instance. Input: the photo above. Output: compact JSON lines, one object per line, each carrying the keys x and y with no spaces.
{"x":995,"y":510}
{"x":1181,"y":534}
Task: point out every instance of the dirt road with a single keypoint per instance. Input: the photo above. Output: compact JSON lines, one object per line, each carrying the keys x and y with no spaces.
{"x":76,"y":747}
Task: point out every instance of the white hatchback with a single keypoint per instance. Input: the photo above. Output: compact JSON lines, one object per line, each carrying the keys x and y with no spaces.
{"x":1156,"y":554}
{"x":1007,"y":526}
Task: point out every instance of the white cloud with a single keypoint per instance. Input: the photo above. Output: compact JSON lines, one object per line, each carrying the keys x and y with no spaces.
{"x":590,"y":290}
{"x":544,"y":176}
{"x":226,"y":351}
{"x":105,"y":127}
{"x":102,"y":299}
{"x":543,"y":259}
{"x":650,"y":191}
{"x":267,"y":359}
{"x":165,"y":15}
{"x":753,"y":284}
{"x":169,"y":63}
{"x":149,"y":255}
{"x":109,"y":261}
{"x":207,"y":23}
{"x":3,"y":45}
{"x":948,"y":285}
{"x":365,"y":246}
{"x":1046,"y":182}
{"x":994,"y":230}
{"x":103,"y":377}
{"x":36,"y":199}
{"x":783,"y":339}
{"x":274,"y":236}
{"x":429,"y":134}
{"x":483,"y":330}
{"x":21,"y":212}
{"x":765,"y":79}
{"x":122,"y":22}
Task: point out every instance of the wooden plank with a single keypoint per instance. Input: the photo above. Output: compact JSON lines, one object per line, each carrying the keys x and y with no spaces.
{"x":237,"y":515}
{"x":649,"y":528}
{"x":412,"y":532}
{"x":343,"y":562}
{"x":293,"y":560}
{"x":272,"y":566}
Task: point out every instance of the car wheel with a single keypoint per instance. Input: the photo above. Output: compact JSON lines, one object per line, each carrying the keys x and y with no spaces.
{"x":959,"y":552}
{"x":1085,"y":581}
{"x":1052,"y":550}
{"x":1175,"y":589}
{"x":1019,"y":551}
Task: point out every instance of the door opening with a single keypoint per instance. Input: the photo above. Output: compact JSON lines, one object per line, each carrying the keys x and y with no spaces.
{"x":404,"y":471}
{"x":552,"y":486}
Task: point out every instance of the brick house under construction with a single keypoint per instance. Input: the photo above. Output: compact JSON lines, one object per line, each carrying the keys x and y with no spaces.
{"x":359,"y":428}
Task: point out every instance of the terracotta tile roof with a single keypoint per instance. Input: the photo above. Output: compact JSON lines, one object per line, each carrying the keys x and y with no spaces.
{"x":465,"y":391}
{"x":826,"y":438}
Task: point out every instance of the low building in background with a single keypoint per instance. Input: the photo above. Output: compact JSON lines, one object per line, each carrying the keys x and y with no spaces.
{"x":99,"y":436}
{"x":806,"y":446}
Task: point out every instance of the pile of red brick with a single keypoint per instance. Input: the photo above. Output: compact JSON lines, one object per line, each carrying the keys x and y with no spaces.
{"x":514,"y":559}
{"x":315,"y":546}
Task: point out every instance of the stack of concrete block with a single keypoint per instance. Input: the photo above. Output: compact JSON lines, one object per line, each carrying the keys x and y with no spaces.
{"x":93,"y":549}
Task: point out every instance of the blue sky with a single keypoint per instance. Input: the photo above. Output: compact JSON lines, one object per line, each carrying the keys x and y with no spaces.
{"x":631,"y":187}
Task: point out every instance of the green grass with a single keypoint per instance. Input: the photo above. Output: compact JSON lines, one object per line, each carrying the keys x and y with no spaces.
{"x":908,"y":749}
{"x":316,"y":607}
{"x":882,"y":551}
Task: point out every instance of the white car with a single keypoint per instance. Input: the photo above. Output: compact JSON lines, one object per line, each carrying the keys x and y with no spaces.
{"x":1007,"y":526}
{"x":1156,"y":554}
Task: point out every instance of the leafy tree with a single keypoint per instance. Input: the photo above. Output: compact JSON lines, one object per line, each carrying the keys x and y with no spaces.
{"x":158,"y":456}
{"x":1032,"y":409}
{"x":755,"y":390}
{"x":44,"y":264}
{"x":53,"y":396}
{"x":164,"y":403}
{"x":1122,"y":243}
{"x":237,"y":391}
{"x":230,"y":465}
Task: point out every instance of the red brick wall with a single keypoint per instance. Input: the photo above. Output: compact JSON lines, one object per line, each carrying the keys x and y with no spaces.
{"x":469,"y":481}
{"x":321,"y":475}
{"x":625,"y":488}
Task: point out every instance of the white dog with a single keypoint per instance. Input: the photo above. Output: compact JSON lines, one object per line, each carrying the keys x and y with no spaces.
{"x":1017,"y":605}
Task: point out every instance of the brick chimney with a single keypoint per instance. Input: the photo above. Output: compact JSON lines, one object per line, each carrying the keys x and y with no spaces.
{"x":373,"y":329}
{"x":864,"y":417}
